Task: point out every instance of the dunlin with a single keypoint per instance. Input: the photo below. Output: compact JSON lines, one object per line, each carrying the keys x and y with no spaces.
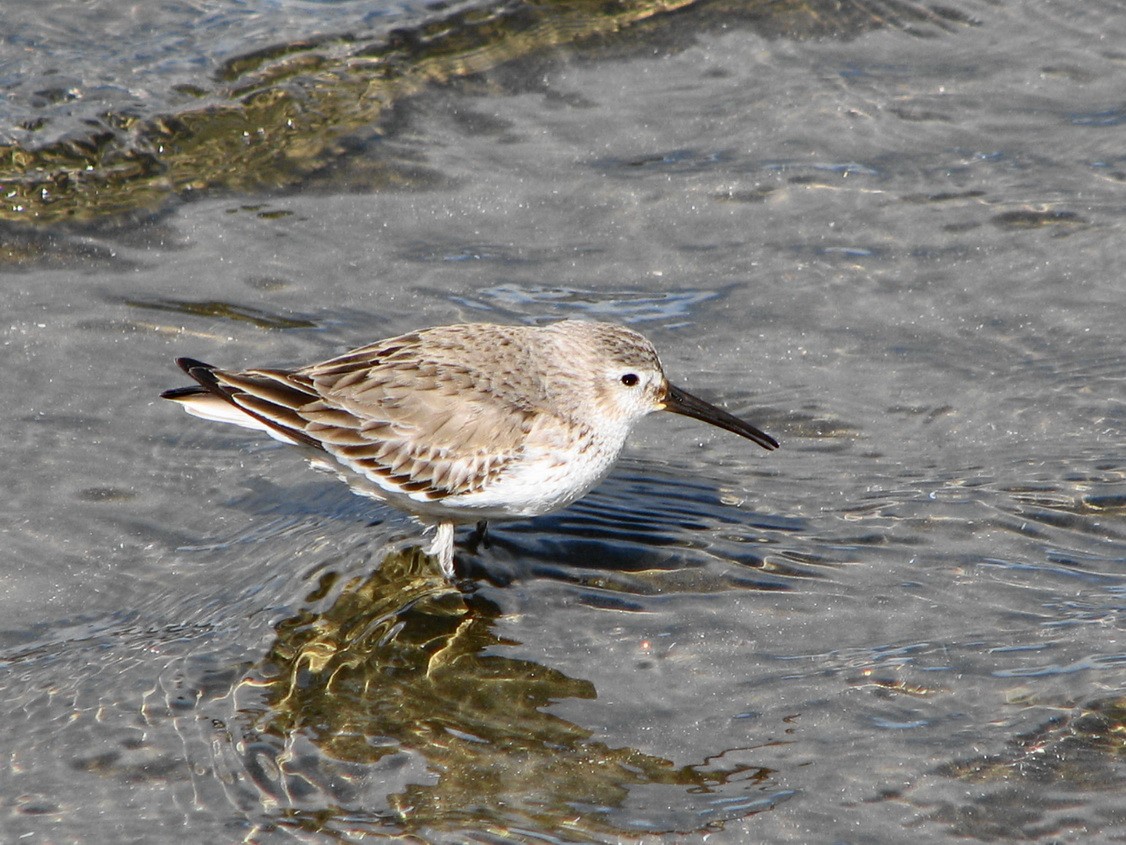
{"x":462,"y":423}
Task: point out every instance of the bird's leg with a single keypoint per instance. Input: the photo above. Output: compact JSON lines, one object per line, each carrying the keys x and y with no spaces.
{"x":479,"y":538}
{"x":481,"y":534}
{"x":443,"y":547}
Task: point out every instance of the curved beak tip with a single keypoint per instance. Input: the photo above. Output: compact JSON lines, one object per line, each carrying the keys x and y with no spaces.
{"x":681,"y":402}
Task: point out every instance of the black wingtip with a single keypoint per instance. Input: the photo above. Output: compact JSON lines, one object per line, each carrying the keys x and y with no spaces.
{"x":178,"y":393}
{"x":189,"y":364}
{"x":199,"y":371}
{"x":205,"y":375}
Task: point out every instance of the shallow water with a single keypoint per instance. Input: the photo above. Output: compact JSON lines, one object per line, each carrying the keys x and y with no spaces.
{"x":901,"y":255}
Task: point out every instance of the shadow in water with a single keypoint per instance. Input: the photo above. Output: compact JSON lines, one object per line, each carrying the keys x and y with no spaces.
{"x":646,"y":531}
{"x":387,"y":704}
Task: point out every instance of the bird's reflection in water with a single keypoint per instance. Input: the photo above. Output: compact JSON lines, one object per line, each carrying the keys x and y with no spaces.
{"x":417,"y":724}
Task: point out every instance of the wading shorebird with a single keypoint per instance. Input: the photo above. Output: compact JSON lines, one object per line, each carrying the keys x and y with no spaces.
{"x":464,"y":423}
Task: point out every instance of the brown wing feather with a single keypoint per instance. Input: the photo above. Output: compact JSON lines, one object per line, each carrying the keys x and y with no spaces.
{"x":264,"y":395}
{"x":410,"y":408}
{"x":407,"y":411}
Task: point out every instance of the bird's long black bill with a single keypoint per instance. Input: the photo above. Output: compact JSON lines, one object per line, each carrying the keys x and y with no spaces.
{"x":679,"y":402}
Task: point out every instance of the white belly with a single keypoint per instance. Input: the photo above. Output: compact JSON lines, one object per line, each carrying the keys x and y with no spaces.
{"x":552,"y":475}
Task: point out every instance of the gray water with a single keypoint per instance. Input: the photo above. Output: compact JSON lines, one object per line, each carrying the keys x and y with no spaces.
{"x":65,"y":64}
{"x":899,"y":252}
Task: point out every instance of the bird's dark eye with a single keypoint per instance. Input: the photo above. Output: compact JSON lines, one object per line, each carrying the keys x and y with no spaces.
{"x":630,"y":379}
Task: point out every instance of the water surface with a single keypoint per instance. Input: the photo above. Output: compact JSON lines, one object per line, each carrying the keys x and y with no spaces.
{"x":896,"y":249}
